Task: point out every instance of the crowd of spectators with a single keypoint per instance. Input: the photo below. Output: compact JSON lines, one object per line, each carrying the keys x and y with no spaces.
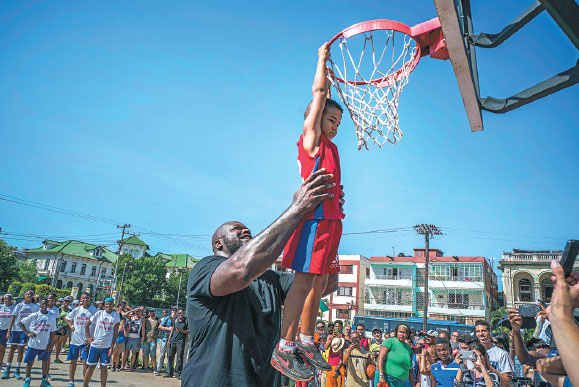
{"x":61,"y":327}
{"x":404,"y":358}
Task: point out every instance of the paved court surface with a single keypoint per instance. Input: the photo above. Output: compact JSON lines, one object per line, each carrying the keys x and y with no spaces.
{"x":59,"y":373}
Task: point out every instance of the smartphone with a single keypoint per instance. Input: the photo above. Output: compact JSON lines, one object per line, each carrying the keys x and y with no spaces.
{"x":569,"y":256}
{"x":467,"y":355}
{"x":529,"y":310}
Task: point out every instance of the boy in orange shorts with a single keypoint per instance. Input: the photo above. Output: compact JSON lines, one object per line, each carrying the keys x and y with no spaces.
{"x":312,"y":250}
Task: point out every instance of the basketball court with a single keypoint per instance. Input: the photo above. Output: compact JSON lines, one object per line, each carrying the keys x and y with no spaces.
{"x":371,"y":63}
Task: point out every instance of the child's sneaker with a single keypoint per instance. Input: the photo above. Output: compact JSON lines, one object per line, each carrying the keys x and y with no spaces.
{"x":6,"y":374}
{"x":70,"y":384}
{"x":26,"y":382}
{"x":291,"y":364}
{"x":45,"y":383}
{"x":313,"y":356}
{"x":48,"y":378}
{"x":17,"y":374}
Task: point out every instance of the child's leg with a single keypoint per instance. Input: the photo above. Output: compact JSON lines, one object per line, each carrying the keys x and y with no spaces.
{"x":294,"y":304}
{"x":312,"y":305}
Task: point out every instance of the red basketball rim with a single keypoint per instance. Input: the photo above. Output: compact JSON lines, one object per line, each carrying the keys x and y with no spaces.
{"x":376,"y":25}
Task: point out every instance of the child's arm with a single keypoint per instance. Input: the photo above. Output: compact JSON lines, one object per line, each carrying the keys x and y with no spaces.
{"x":312,"y":123}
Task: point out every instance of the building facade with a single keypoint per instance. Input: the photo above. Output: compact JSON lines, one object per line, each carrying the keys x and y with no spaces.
{"x":527,"y":275}
{"x":462,"y":289}
{"x":72,"y":263}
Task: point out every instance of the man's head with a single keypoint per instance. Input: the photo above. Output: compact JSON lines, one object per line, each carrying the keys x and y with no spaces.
{"x":442,"y":349}
{"x":320,"y":327}
{"x":174,"y":311}
{"x":165,"y":312}
{"x":340,"y":325}
{"x":361,"y":330}
{"x":464,"y":342}
{"x":444,"y":335}
{"x":355,"y":338}
{"x":151,"y":313}
{"x":51,"y":298}
{"x":43,"y":303}
{"x":109,"y":305}
{"x":8,"y":299}
{"x":229,"y":237}
{"x":181,"y":314}
{"x":331,"y":117}
{"x":454,"y":337}
{"x":377,"y":334}
{"x":28,"y":296}
{"x":483,"y":333}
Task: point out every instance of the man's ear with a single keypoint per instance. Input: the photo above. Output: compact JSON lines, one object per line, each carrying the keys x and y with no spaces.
{"x":218,"y":245}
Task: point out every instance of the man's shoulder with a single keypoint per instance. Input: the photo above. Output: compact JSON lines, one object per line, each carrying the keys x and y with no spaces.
{"x":209,"y":260}
{"x":498,"y":352}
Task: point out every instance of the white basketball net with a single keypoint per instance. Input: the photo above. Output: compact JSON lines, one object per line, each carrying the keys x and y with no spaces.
{"x":374,"y":106}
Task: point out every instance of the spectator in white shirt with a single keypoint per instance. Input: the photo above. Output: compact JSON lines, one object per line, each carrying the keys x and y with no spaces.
{"x":39,"y":327}
{"x":102,"y":342}
{"x":499,"y":359}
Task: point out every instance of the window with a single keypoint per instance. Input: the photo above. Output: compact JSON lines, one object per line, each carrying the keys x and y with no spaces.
{"x":344,"y":291}
{"x":46,"y":263}
{"x":62,"y":267}
{"x":97,"y":253}
{"x":525,"y":292}
{"x":79,"y":285}
{"x":93,"y":271}
{"x":104,"y":271}
{"x":342,"y":313}
{"x":83,"y":269}
{"x":69,"y":285}
{"x":346,"y":269}
{"x":59,"y":284}
{"x":73,"y":267}
{"x":458,"y":300}
{"x":367,"y":272}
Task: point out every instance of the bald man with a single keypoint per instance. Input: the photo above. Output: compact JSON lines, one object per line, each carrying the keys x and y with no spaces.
{"x":234,"y":301}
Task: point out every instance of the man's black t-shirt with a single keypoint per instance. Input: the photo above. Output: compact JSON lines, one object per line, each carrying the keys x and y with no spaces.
{"x":179,"y":337}
{"x":233,"y":336}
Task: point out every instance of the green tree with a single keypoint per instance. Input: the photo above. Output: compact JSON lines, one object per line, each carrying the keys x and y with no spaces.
{"x":8,"y":271}
{"x":144,"y":278}
{"x":27,"y":271}
{"x":172,"y":288}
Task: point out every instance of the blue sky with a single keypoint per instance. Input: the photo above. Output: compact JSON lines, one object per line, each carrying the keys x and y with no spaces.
{"x":177,"y":116}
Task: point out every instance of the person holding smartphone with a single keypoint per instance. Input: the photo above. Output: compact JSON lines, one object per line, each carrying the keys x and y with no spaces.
{"x":478,"y":372}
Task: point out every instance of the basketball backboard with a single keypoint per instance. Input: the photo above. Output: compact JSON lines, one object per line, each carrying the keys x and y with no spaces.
{"x":456,"y":23}
{"x":457,"y":28}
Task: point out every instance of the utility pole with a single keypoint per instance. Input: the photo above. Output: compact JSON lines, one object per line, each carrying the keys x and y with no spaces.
{"x":124,"y":227}
{"x":427,"y":230}
{"x":179,"y":289}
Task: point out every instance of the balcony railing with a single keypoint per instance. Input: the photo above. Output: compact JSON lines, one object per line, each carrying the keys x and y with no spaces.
{"x":434,"y":277}
{"x":391,"y":277}
{"x":532,"y":257}
{"x":472,"y":306}
{"x":388,"y":300}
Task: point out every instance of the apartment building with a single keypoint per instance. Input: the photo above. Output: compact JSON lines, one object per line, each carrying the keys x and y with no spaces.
{"x":461,"y":289}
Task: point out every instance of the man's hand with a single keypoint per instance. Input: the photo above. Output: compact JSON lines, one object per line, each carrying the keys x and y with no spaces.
{"x":342,"y":195}
{"x":324,"y":52}
{"x":72,"y":328}
{"x":30,"y":334}
{"x":565,"y":296}
{"x":515,"y":319}
{"x":313,"y":191}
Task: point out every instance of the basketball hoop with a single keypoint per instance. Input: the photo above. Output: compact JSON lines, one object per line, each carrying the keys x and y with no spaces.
{"x":370,"y":84}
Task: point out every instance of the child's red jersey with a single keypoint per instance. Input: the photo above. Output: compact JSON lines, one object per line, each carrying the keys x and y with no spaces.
{"x":327,"y":157}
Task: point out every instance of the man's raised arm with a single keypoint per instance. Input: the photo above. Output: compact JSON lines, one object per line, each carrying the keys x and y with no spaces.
{"x":258,"y":254}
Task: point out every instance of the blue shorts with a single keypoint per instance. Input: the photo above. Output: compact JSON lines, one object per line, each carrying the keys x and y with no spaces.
{"x":75,"y":350}
{"x":31,"y":353}
{"x":3,"y":339}
{"x":18,"y":338}
{"x":96,"y":355}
